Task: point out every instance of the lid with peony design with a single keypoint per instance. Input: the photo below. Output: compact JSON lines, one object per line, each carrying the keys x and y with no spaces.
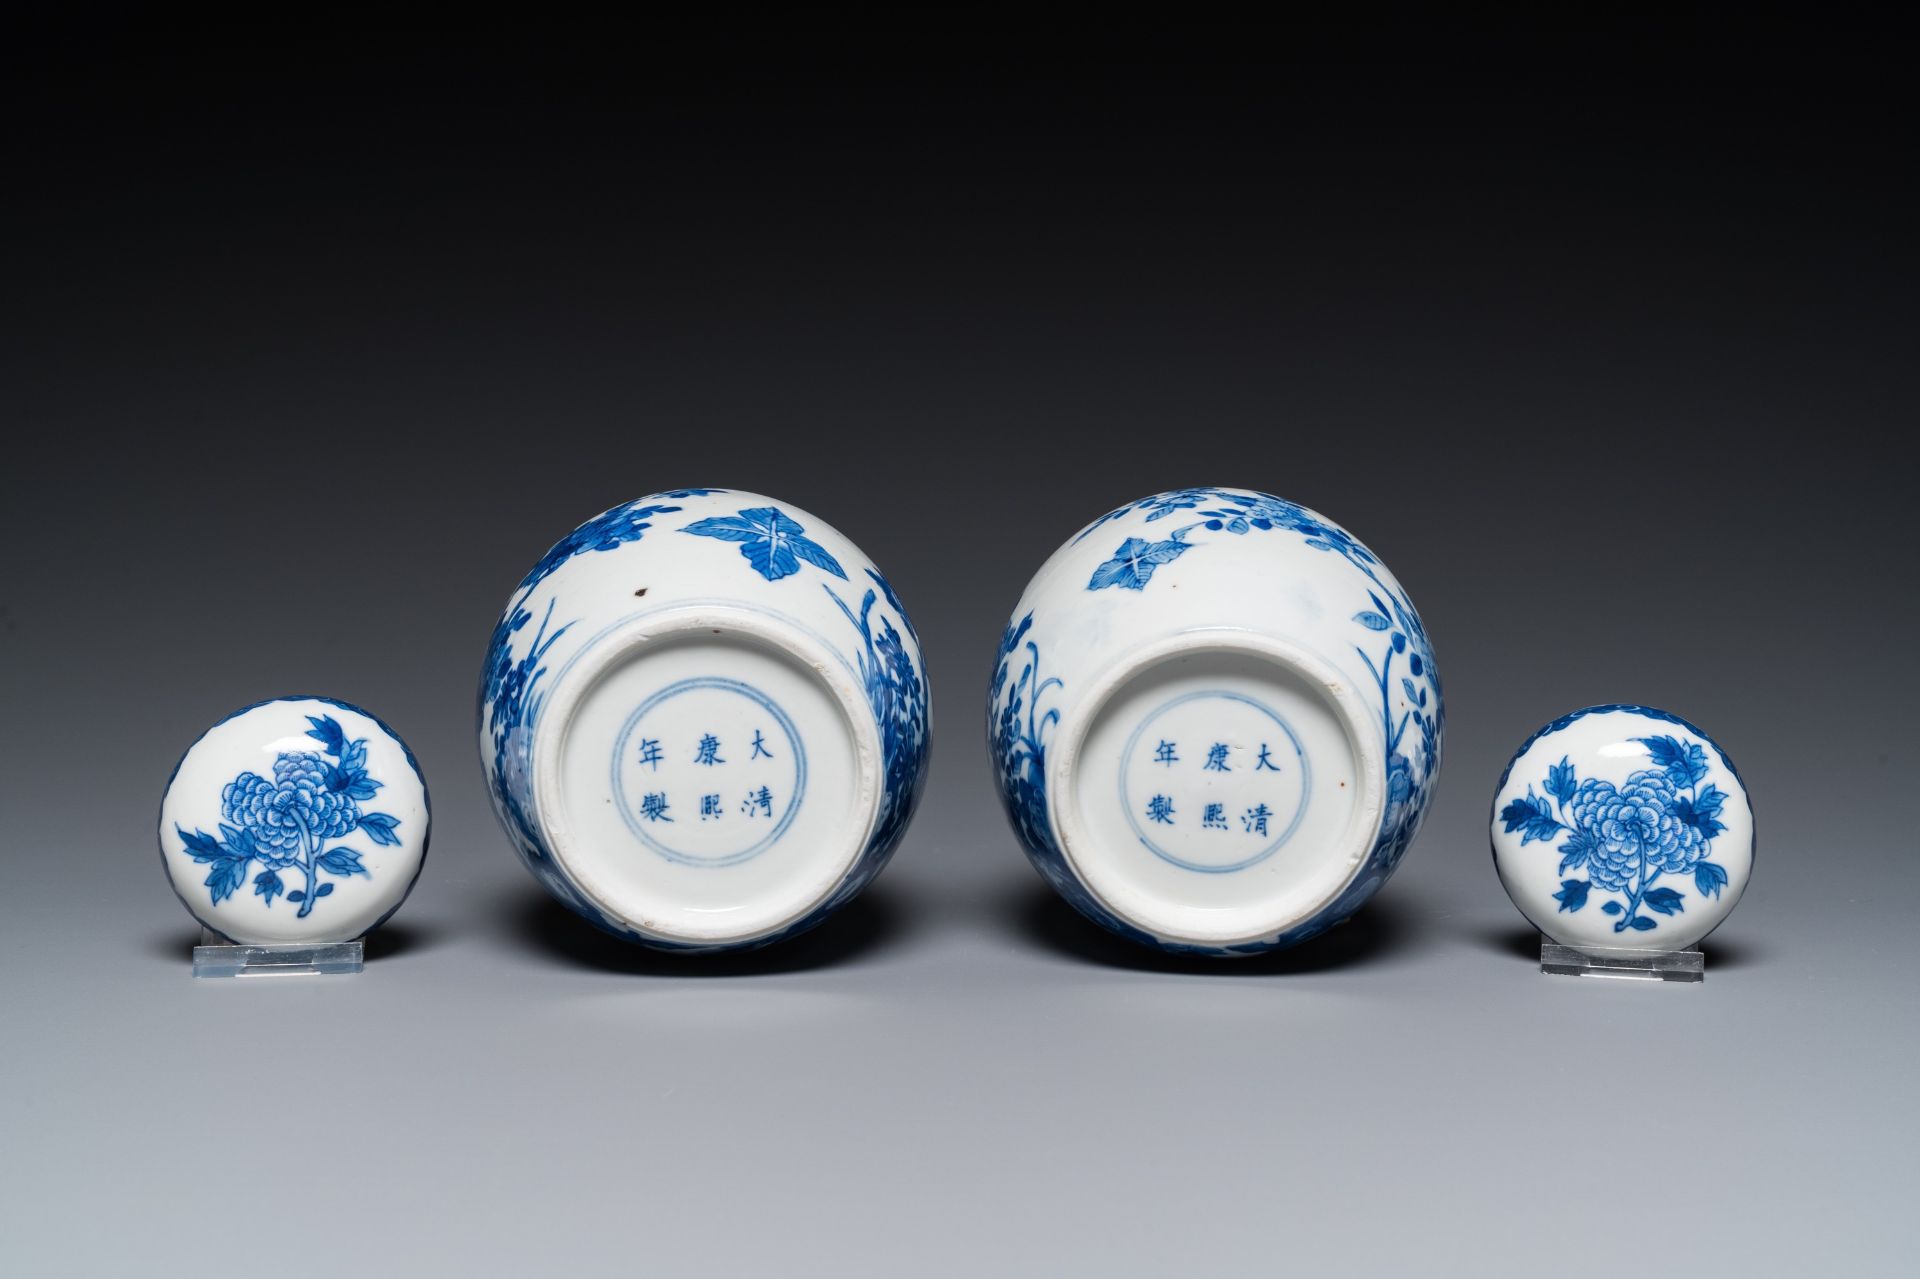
{"x":1623,"y":828}
{"x":301,"y":819}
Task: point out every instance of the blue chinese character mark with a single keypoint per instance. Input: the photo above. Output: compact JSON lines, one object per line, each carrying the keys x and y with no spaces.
{"x":313,"y":799}
{"x":650,"y":752}
{"x":1214,"y":818}
{"x":758,"y":802}
{"x":1217,"y":758}
{"x":760,"y":746}
{"x":1255,"y":819}
{"x":653,"y":807}
{"x":1265,"y":761}
{"x":709,"y":807}
{"x":708,"y":752}
{"x":1164,"y":754}
{"x":1160,"y":809}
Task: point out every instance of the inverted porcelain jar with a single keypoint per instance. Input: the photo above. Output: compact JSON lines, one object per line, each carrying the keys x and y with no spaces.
{"x":703,"y":720}
{"x":1215,"y":721}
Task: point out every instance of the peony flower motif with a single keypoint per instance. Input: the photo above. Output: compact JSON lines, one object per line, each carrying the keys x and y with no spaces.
{"x":1624,"y":824}
{"x":294,"y":809}
{"x":288,"y":821}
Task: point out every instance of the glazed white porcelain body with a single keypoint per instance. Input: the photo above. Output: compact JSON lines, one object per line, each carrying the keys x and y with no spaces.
{"x":295,"y":820}
{"x":703,"y":719}
{"x":1215,"y":721}
{"x":1623,"y":828}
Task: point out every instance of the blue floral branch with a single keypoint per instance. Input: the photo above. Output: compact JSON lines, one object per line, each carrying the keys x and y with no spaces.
{"x":1661,"y":821}
{"x":286,"y":822}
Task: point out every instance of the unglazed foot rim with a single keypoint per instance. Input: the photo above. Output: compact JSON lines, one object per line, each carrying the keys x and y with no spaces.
{"x":672,"y":876}
{"x":1300,"y":788}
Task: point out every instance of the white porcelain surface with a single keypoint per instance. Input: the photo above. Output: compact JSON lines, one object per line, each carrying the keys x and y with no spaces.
{"x":301,"y":819}
{"x":1623,"y":827}
{"x":1216,"y":721}
{"x":703,"y":719}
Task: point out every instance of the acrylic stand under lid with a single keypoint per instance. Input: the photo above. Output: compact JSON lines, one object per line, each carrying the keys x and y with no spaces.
{"x":214,"y":956}
{"x":1630,"y":965}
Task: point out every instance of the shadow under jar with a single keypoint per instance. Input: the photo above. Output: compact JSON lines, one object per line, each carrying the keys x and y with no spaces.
{"x":1215,"y":722}
{"x":704,"y":720}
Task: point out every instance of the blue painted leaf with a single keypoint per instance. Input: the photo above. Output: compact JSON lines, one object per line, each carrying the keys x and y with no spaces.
{"x":1531,"y":817}
{"x":364,"y":787}
{"x":1664,"y":900}
{"x":1685,"y":762}
{"x":1703,"y":813}
{"x":1577,"y":849}
{"x":342,"y":861}
{"x":728,"y":528}
{"x":201,"y":846}
{"x":1641,"y":923}
{"x":1709,"y":879}
{"x":1561,"y":781}
{"x":225,"y":878}
{"x":815,"y":554}
{"x":326,"y":729}
{"x":322,"y":891}
{"x":770,"y":559}
{"x":1133,"y":563}
{"x":1572,"y":895}
{"x":1413,"y":694}
{"x":380,"y":827}
{"x":1610,"y":908}
{"x":267,"y":884}
{"x":1379,"y":603}
{"x":297,"y":895}
{"x":355,"y":758}
{"x":1371,"y":620}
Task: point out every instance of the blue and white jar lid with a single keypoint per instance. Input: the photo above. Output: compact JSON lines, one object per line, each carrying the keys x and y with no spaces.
{"x":1623,"y":827}
{"x":300,"y":819}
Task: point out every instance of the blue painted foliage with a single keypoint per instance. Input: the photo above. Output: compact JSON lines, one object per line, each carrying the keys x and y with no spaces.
{"x":1661,"y":821}
{"x":898,"y":696}
{"x":623,"y":524}
{"x":287,"y":822}
{"x":772,"y":541}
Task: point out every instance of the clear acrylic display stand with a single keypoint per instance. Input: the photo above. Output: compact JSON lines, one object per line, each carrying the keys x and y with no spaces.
{"x":1632,"y":965}
{"x":216,"y":957}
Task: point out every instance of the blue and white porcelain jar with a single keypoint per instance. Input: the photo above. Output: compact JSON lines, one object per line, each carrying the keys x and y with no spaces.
{"x":704,"y":720}
{"x":1215,"y":721}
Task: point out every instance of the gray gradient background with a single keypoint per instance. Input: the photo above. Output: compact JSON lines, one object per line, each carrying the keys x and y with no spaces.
{"x":304,"y":365}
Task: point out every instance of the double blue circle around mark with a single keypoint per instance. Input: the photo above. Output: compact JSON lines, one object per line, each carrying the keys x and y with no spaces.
{"x":724,"y":685}
{"x":1306,"y":784}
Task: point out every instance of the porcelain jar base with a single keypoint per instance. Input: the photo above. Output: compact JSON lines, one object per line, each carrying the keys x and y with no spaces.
{"x":705,"y":777}
{"x":1218,"y":788}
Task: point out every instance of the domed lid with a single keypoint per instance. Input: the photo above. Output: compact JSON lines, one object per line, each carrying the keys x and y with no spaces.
{"x":300,"y":819}
{"x":1622,"y":827}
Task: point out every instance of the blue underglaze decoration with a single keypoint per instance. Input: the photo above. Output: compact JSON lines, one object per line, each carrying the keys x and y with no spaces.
{"x":1216,"y":759}
{"x":1661,"y":821}
{"x":898,"y":695}
{"x":287,"y":823}
{"x":510,"y":702}
{"x":1219,"y":510}
{"x":1017,"y":731}
{"x":605,"y":531}
{"x":1390,"y":640}
{"x":644,"y":822}
{"x":1401,"y":634}
{"x":771,"y":540}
